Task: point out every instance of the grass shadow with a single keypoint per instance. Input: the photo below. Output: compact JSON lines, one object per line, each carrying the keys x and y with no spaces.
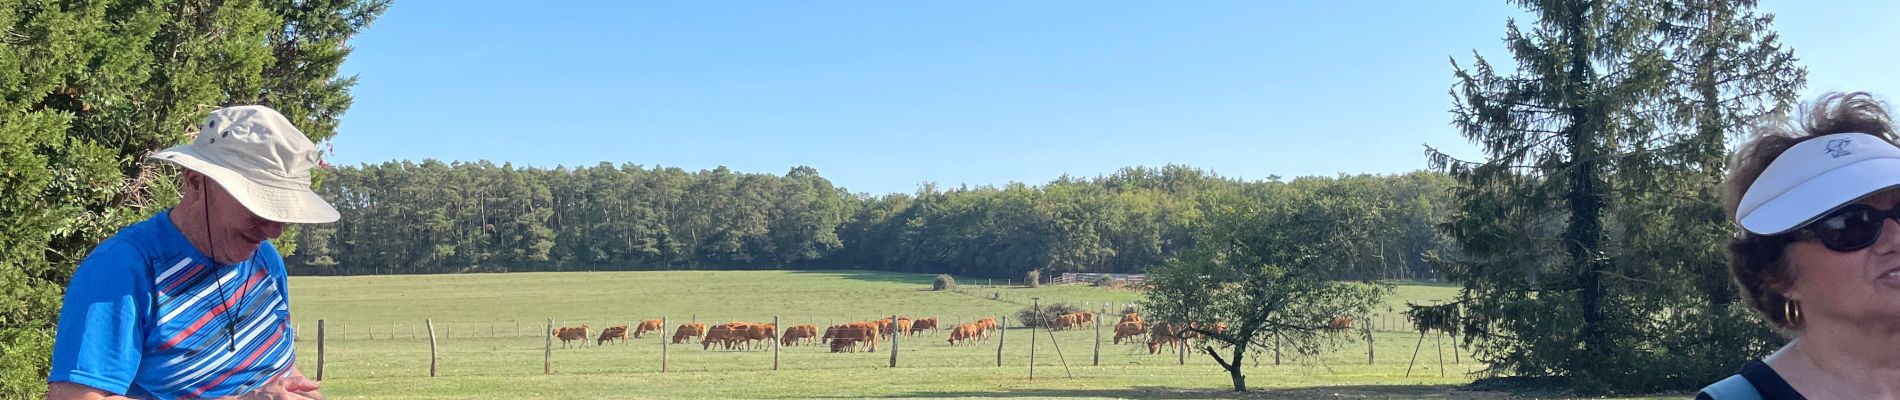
{"x":1155,"y":392}
{"x":873,"y":275}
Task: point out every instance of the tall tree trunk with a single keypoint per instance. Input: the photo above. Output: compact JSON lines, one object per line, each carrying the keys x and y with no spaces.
{"x":1586,"y":198}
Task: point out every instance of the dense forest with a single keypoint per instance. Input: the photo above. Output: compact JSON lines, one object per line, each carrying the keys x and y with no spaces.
{"x":447,"y":217}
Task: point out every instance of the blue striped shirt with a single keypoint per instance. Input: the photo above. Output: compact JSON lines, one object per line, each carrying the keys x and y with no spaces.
{"x":149,"y":316}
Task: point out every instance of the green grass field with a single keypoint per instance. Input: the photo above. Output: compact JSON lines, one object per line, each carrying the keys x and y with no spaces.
{"x":489,"y":336}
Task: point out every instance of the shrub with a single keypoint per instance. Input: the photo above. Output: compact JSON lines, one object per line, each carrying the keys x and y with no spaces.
{"x":1033,"y":278}
{"x":1050,"y":312}
{"x":944,"y":282}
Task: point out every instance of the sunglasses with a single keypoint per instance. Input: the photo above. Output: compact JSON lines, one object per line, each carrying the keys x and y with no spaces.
{"x":1850,"y":228}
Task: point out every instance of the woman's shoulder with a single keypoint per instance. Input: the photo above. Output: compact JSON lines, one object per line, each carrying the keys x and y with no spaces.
{"x":1767,"y":384}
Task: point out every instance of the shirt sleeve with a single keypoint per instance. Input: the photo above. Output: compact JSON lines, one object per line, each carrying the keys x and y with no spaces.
{"x":101,"y":324}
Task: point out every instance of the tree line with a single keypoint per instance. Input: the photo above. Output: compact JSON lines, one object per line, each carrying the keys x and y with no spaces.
{"x":447,"y":217}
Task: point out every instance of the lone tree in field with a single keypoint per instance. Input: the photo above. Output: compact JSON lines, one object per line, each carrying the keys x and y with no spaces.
{"x":1258,"y":267}
{"x":1589,"y":233}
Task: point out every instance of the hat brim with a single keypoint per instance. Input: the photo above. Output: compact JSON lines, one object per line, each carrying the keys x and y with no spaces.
{"x":1822,"y":194}
{"x":287,"y":205}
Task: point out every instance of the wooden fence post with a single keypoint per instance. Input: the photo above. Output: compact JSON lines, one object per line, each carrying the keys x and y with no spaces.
{"x":1098,"y":335}
{"x":1183,"y":347}
{"x":1369,"y":345}
{"x":781,"y":333}
{"x":319,"y":350}
{"x":894,"y":335}
{"x":663,"y":343}
{"x":1002,"y":333}
{"x":432,"y":355}
{"x":547,"y":351}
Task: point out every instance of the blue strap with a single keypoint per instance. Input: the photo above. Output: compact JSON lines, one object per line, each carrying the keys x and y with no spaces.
{"x":1735,"y":387}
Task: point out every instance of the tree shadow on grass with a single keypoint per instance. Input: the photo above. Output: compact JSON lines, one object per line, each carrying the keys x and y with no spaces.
{"x":1153,"y":392}
{"x":923,"y":280}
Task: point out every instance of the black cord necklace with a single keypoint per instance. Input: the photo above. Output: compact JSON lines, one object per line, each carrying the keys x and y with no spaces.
{"x":230,"y":324}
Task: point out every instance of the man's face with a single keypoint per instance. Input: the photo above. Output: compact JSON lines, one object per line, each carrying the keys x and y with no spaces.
{"x":236,"y":233}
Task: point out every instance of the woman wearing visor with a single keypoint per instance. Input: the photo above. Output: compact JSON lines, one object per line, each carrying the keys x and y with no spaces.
{"x":1819,"y":253}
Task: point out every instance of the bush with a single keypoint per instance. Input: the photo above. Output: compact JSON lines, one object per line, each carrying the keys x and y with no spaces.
{"x":1050,"y":312}
{"x":1034,"y":278}
{"x":944,"y":282}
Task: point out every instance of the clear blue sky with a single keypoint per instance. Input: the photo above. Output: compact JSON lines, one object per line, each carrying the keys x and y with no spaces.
{"x":880,"y":96}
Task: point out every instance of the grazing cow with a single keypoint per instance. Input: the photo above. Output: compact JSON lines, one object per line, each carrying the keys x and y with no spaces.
{"x":964,"y":333}
{"x":1163,"y":335}
{"x":690,"y":330}
{"x":882,"y":325}
{"x":726,"y":334}
{"x":760,"y":333}
{"x":1129,"y":330}
{"x":794,"y":333}
{"x":924,"y":323}
{"x":1340,"y":323}
{"x":904,"y":325}
{"x":1084,"y":317}
{"x":986,"y":325}
{"x":651,"y":325}
{"x":852,"y":336}
{"x":888,"y":327}
{"x":570,"y":333}
{"x":612,"y":332}
{"x":1065,"y":322}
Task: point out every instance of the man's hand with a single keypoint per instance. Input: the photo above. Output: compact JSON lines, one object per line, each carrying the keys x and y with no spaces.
{"x":290,"y":386}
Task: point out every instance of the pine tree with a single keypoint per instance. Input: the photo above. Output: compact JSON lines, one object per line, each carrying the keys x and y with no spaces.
{"x":1594,"y":210}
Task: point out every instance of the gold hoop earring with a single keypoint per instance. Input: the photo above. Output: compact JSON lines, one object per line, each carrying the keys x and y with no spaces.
{"x":1791,"y":311}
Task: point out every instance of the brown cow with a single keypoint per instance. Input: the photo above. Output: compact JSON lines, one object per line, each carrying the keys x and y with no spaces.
{"x":1340,"y":323}
{"x":651,"y":325}
{"x":851,"y":336}
{"x":924,"y":323}
{"x":964,"y":333}
{"x":987,"y":325}
{"x":1163,"y":335}
{"x":726,"y":334}
{"x":1065,"y":322}
{"x":794,"y":333}
{"x":904,"y":325}
{"x":1083,"y":317}
{"x":612,"y":332}
{"x":760,"y":333}
{"x":690,"y":330}
{"x":1129,"y":317}
{"x":571,"y":333}
{"x":1129,"y":330}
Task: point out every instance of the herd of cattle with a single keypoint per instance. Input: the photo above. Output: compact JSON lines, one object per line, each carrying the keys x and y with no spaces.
{"x":864,"y":335}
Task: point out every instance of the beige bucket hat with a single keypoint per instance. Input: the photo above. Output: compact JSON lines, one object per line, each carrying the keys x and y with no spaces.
{"x":261,"y":159}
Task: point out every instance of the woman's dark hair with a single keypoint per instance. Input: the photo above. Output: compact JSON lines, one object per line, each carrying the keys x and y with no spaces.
{"x":1759,"y":263}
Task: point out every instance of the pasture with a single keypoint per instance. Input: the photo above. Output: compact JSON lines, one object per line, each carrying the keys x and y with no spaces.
{"x":490,"y":330}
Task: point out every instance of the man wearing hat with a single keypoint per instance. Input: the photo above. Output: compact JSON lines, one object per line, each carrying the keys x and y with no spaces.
{"x":193,"y":303}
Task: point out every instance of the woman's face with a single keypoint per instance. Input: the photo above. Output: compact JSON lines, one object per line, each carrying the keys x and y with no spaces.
{"x":1858,"y":286}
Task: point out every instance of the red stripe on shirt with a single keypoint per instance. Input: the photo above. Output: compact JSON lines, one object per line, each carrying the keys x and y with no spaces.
{"x":214,"y":312}
{"x":181,"y":279}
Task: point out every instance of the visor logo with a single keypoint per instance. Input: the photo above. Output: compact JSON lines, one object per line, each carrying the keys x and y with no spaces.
{"x":1838,"y":148}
